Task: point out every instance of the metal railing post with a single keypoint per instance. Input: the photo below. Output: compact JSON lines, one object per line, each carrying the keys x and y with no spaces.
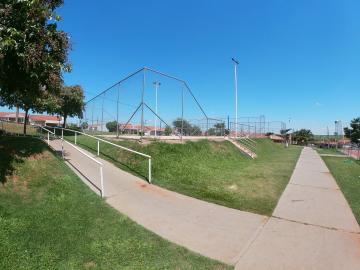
{"x":62,"y":148}
{"x":62,"y":133}
{"x":98,"y":147}
{"x":150,"y":170}
{"x":48,"y":139}
{"x":75,"y":137}
{"x":102,"y":182}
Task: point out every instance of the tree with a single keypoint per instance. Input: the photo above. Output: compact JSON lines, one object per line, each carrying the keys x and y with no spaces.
{"x":303,"y":136}
{"x":33,"y":53}
{"x":167,"y":131}
{"x":71,"y":102}
{"x":195,"y":131}
{"x":182,"y":125}
{"x":186,"y":128}
{"x":111,"y":126}
{"x":212,"y":132}
{"x":84,"y":125}
{"x":353,"y":133}
{"x":217,"y":130}
{"x":286,"y":136}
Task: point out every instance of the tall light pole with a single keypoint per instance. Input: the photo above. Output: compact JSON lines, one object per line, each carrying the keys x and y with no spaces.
{"x":157,"y":85}
{"x":236,"y":94}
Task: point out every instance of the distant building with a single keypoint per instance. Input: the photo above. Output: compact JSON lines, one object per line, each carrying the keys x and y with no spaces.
{"x":34,"y":119}
{"x":135,"y":129}
{"x":276,"y":138}
{"x":94,"y":127}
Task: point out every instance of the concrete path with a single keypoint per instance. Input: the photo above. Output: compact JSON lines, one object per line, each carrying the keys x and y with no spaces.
{"x":214,"y":231}
{"x":312,"y":226}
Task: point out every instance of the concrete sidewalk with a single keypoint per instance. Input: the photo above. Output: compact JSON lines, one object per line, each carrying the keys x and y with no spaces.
{"x":211,"y":230}
{"x":312,"y":226}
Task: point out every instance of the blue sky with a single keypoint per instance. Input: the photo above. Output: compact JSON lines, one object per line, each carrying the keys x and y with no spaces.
{"x":298,"y":59}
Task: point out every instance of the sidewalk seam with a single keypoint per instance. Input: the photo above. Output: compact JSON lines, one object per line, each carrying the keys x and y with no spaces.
{"x":302,"y":185}
{"x":315,"y":225}
{"x":250,"y":242}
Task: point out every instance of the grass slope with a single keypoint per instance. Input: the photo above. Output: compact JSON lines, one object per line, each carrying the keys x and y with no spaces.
{"x":329,"y":151}
{"x":212,"y":171}
{"x":347,"y":174}
{"x":50,"y":220}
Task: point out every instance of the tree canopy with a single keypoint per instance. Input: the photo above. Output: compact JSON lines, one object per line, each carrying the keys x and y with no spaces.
{"x":186,"y":127}
{"x":33,"y":53}
{"x":112,"y":126}
{"x":71,"y":102}
{"x":303,"y":136}
{"x":353,"y":133}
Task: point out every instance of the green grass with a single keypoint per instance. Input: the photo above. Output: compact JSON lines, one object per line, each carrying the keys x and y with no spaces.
{"x":212,"y":171}
{"x":18,"y":128}
{"x":346,"y":172}
{"x":49,"y":219}
{"x":328,"y":151}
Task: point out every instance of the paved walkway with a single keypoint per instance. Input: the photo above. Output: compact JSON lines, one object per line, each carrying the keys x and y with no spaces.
{"x":214,"y":231}
{"x":312,"y":226}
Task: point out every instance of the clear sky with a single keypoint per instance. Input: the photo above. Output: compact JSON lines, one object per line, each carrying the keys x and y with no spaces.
{"x":298,"y":59}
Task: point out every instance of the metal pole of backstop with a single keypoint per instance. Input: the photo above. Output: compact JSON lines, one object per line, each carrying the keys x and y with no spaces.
{"x":117,"y":113}
{"x":142,"y":105}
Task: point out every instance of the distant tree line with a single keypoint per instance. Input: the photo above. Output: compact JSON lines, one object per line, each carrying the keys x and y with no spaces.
{"x":353,"y":132}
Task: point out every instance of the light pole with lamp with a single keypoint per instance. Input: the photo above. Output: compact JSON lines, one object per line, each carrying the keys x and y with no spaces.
{"x":236,"y":90}
{"x":157,"y":85}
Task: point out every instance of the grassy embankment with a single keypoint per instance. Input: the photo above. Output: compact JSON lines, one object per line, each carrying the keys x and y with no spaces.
{"x":329,"y":151}
{"x":212,"y":171}
{"x":49,"y":219}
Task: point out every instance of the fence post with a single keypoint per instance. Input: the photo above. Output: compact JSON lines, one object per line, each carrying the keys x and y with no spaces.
{"x":98,"y":147}
{"x":150,"y":170}
{"x":62,"y":148}
{"x":75,"y":137}
{"x":102,"y":182}
{"x":62,"y":133}
{"x":48,"y":138}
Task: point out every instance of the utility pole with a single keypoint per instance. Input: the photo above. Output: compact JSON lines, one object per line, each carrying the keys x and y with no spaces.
{"x":236,"y":94}
{"x":328,"y":135}
{"x":157,"y":85}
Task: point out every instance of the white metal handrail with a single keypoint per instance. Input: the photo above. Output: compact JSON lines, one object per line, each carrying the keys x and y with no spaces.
{"x":78,"y":149}
{"x":82,"y":152}
{"x":105,"y":141}
{"x":93,"y":159}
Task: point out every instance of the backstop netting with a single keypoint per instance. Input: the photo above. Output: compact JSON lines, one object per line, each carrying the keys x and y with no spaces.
{"x":150,"y":103}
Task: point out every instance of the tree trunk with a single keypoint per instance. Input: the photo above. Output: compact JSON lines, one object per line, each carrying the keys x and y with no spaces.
{"x":25,"y":120}
{"x":64,"y":123}
{"x":17,"y":114}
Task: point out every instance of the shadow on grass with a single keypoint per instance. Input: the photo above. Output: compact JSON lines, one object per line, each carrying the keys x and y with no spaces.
{"x":15,"y":150}
{"x":116,"y":162}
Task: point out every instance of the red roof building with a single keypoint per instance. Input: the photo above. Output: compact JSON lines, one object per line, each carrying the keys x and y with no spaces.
{"x":33,"y":118}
